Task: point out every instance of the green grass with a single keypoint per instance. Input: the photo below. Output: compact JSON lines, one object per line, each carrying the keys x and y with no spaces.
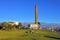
{"x":22,"y":35}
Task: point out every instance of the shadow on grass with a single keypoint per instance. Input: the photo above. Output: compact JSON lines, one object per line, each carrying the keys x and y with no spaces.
{"x":33,"y":38}
{"x":52,"y":37}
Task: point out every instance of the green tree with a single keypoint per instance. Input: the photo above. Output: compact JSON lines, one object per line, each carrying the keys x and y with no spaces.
{"x":28,"y":26}
{"x":39,"y":23}
{"x":20,"y":26}
{"x":4,"y":25}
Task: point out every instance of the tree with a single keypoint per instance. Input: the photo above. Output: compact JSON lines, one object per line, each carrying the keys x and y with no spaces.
{"x":20,"y":26}
{"x":28,"y":26}
{"x":11,"y":25}
{"x":39,"y":23}
{"x":4,"y":25}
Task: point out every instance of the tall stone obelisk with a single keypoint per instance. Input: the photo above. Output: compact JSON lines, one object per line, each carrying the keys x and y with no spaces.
{"x":36,"y":14}
{"x":35,"y":26}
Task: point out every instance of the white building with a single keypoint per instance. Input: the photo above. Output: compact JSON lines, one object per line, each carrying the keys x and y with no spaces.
{"x":33,"y":26}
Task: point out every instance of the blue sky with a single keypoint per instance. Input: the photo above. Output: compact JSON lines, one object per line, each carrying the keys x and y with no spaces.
{"x":24,"y":10}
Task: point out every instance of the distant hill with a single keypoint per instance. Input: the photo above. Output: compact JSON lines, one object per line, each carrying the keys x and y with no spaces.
{"x":44,"y":25}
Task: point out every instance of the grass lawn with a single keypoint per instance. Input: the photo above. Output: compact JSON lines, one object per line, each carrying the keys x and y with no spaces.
{"x":22,"y":35}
